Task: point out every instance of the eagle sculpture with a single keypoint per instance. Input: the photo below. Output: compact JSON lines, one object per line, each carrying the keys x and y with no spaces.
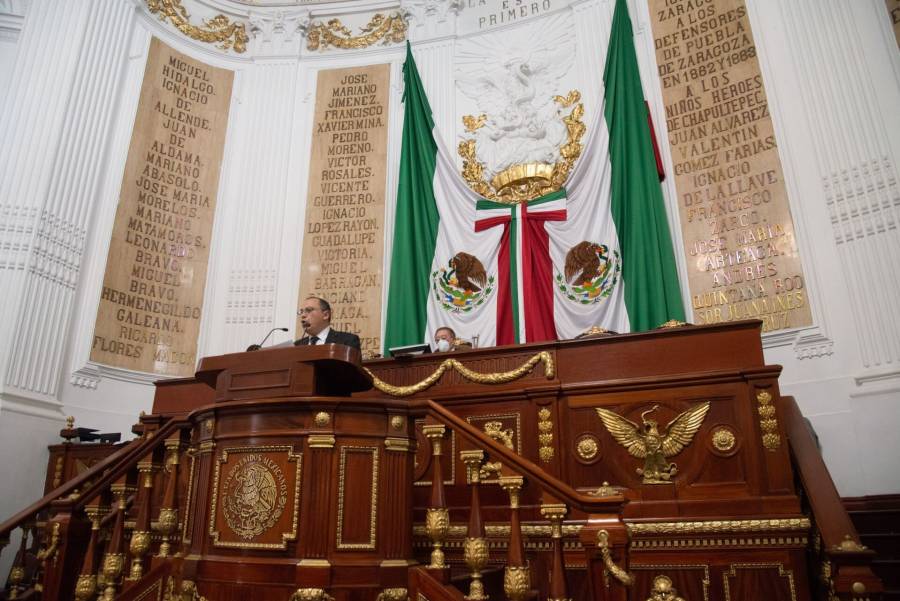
{"x":645,"y":442}
{"x":583,"y":262}
{"x":470,"y":273}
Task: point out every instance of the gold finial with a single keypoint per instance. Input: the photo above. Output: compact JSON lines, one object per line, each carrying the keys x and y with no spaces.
{"x":70,"y":422}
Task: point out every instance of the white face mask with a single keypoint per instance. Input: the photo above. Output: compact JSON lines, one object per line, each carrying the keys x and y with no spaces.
{"x":443,"y":346}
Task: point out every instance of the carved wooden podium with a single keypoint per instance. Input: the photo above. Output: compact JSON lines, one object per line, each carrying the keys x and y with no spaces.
{"x":303,"y":486}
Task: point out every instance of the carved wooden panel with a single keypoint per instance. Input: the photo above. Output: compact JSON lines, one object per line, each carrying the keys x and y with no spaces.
{"x":256,"y":494}
{"x":770,"y":581}
{"x":357,"y":481}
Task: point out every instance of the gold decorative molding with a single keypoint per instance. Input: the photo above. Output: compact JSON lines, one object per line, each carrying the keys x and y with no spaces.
{"x":718,"y":527}
{"x":473,"y":376}
{"x":321,"y":441}
{"x":393,"y":594}
{"x":705,"y":579}
{"x":311,"y":594}
{"x":219,"y":29}
{"x":452,"y":478}
{"x":587,"y":447}
{"x":373,"y":516}
{"x":618,"y":573}
{"x":525,"y":182}
{"x":768,"y":421}
{"x":545,"y":435}
{"x":663,"y":590}
{"x":723,"y":439}
{"x":494,"y":429}
{"x":296,"y":458}
{"x":390,"y":29}
{"x":848,"y":545}
{"x":322,"y":419}
{"x":398,"y":445}
{"x":186,"y":528}
{"x":672,"y":323}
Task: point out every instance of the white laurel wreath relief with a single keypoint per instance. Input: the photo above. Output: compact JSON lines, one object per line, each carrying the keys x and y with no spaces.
{"x":512,"y":77}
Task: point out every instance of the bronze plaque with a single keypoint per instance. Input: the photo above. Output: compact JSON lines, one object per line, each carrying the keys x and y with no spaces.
{"x":256,"y":497}
{"x":152,"y":297}
{"x":343,"y":242}
{"x":738,"y":233}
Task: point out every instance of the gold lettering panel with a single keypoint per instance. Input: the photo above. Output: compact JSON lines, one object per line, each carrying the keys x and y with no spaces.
{"x":893,"y":7}
{"x":343,"y":241}
{"x":256,"y":497}
{"x":151,"y":302}
{"x":739,"y":243}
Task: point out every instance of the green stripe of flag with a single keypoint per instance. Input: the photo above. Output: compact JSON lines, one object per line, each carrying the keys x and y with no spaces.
{"x":652,"y":294}
{"x":417,"y":218}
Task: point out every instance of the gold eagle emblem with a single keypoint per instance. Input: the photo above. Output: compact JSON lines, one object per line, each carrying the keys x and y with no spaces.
{"x":645,"y":441}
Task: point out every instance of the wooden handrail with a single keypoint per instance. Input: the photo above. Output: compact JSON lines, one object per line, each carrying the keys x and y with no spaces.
{"x":559,"y":489}
{"x":849,"y":571}
{"x":118,"y":462}
{"x":831,"y":518}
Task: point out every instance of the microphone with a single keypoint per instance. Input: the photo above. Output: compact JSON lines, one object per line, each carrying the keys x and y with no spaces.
{"x":256,"y":347}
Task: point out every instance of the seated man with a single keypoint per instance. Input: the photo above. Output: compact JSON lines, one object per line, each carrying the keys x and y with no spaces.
{"x":315,"y":315}
{"x":445,"y":340}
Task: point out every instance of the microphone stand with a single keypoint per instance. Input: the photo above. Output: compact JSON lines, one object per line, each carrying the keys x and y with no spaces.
{"x":256,"y":347}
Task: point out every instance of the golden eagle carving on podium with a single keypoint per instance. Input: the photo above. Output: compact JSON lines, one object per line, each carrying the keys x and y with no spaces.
{"x":645,"y":441}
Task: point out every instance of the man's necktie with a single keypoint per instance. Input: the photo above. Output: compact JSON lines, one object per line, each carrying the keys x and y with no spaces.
{"x":313,"y":340}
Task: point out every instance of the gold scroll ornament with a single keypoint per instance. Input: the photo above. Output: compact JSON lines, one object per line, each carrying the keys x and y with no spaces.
{"x":527,"y":181}
{"x":389,"y":29}
{"x":473,"y":376}
{"x":216,"y":30}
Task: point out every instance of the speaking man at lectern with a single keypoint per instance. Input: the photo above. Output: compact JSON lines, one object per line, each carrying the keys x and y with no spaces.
{"x":315,"y":315}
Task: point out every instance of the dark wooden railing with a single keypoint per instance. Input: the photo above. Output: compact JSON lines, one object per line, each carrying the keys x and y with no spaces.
{"x":843,"y":564}
{"x":84,"y":532}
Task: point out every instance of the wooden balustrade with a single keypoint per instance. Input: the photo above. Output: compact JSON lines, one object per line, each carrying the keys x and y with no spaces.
{"x":81,"y":532}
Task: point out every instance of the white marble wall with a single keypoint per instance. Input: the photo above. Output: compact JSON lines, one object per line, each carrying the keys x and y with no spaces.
{"x":831,"y":69}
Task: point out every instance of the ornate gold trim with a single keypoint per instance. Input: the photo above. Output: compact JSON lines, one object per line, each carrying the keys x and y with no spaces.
{"x":782,"y":572}
{"x":321,"y":441}
{"x":473,"y":376}
{"x":398,"y":445}
{"x":185,"y":527}
{"x":768,"y":422}
{"x":655,"y":567}
{"x":487,"y":426}
{"x":218,"y":29}
{"x":311,"y":594}
{"x":545,"y":435}
{"x":385,"y":29}
{"x":718,"y":526}
{"x":373,"y":517}
{"x":522,"y":183}
{"x":618,"y":573}
{"x":723,"y":439}
{"x":285,"y":536}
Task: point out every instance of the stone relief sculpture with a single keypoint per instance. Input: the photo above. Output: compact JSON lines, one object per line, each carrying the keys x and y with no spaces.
{"x":513,"y":77}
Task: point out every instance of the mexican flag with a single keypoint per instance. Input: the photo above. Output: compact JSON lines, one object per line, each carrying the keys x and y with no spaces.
{"x":597,"y":252}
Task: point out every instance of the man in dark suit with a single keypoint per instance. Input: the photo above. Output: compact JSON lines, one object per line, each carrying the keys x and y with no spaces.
{"x":315,"y":315}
